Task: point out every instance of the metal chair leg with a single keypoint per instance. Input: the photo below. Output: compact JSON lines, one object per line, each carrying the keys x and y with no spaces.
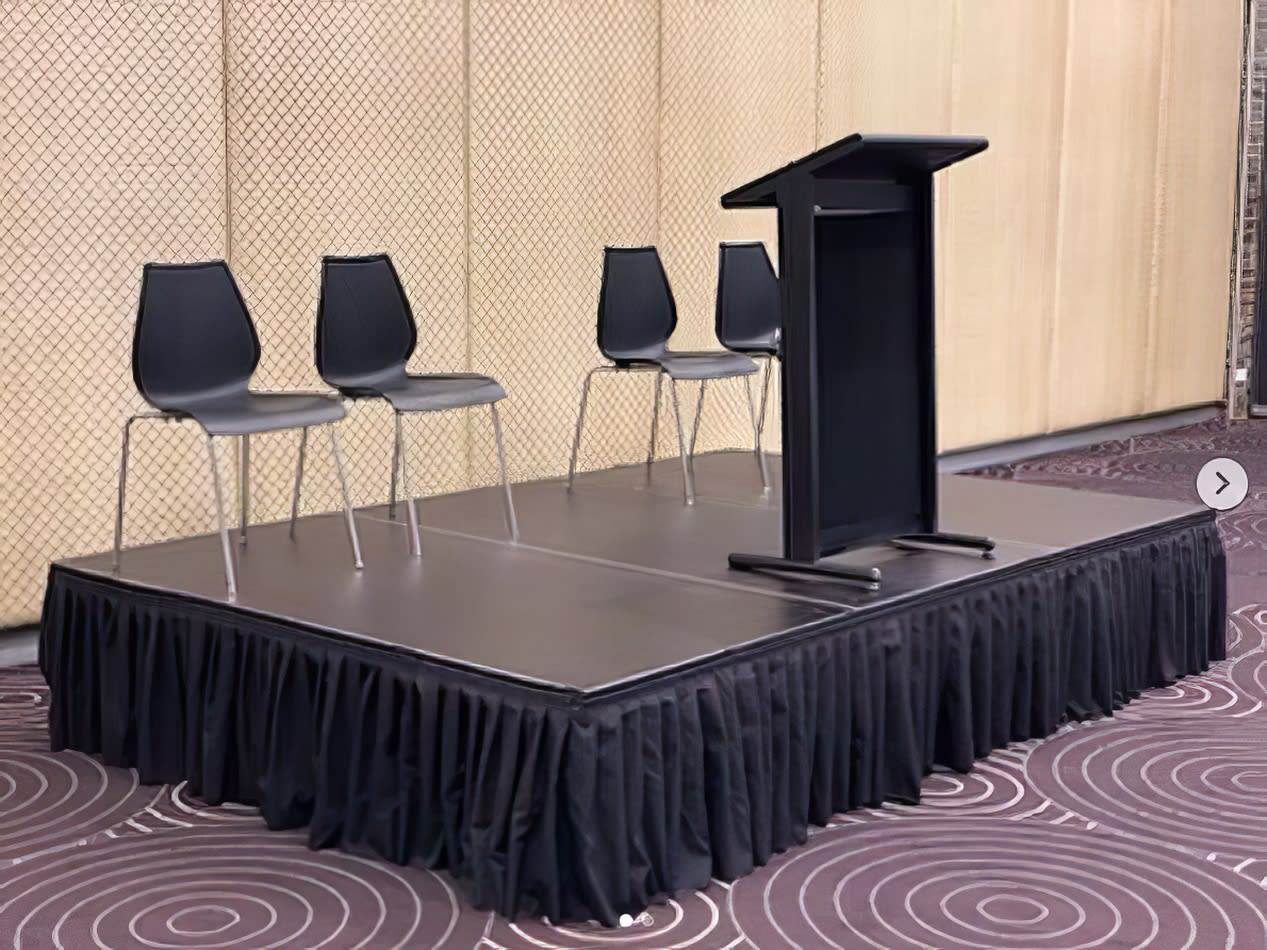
{"x":348,"y":515}
{"x":699,"y":411}
{"x":299,"y":481}
{"x":655,"y":420}
{"x":765,"y":396}
{"x":688,"y":479}
{"x":123,"y":483}
{"x":226,"y":546}
{"x":756,"y":431}
{"x":512,"y":523}
{"x":580,"y":423}
{"x":391,"y":498}
{"x":411,"y":508}
{"x":244,"y":486}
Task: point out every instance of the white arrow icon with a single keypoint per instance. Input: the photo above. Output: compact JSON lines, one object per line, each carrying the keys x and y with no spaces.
{"x":1222,"y":484}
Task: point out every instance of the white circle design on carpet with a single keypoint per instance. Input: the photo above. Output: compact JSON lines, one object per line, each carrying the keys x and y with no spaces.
{"x":972,"y":882}
{"x":222,"y":889}
{"x":1196,"y":785}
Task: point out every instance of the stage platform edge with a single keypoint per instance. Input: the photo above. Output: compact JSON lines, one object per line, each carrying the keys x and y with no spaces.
{"x":582,"y":799}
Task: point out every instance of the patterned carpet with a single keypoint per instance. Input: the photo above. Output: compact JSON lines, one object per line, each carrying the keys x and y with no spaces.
{"x":1148,"y":829}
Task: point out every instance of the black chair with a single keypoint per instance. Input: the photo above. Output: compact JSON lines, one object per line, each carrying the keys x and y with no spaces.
{"x":365,"y":337}
{"x":636,"y":317}
{"x":193,"y":354}
{"x":748,"y":314}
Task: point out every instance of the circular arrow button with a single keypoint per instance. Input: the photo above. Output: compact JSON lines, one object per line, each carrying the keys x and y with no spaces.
{"x":1222,"y":484}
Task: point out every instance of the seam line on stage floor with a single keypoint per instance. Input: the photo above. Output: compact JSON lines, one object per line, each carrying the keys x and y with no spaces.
{"x":644,"y":569}
{"x":1048,"y":557}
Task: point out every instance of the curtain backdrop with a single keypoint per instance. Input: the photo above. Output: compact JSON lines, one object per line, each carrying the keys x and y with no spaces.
{"x":494,"y":147}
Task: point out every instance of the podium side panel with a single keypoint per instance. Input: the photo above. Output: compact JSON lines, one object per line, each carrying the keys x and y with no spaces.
{"x":798,"y":373}
{"x":872,"y":412}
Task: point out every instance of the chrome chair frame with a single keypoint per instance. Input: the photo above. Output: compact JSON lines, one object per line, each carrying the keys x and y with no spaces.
{"x":226,"y":545}
{"x":364,"y":304}
{"x":686,"y":450}
{"x":400,"y":451}
{"x":759,"y":424}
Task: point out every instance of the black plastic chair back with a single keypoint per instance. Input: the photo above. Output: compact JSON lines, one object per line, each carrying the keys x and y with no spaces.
{"x":365,"y":327}
{"x":636,"y":312}
{"x":748,"y":306}
{"x":194,"y":338}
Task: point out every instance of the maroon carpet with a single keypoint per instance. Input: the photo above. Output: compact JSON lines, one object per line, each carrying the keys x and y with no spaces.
{"x":1148,"y":829}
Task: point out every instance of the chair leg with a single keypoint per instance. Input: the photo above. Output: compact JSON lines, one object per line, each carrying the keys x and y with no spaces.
{"x":765,"y":393}
{"x":299,"y":481}
{"x":655,"y":421}
{"x":688,"y":479}
{"x":580,"y":424}
{"x":699,"y":411}
{"x":353,"y":538}
{"x":226,"y":546}
{"x":756,"y":431}
{"x":123,"y":487}
{"x":391,"y":497}
{"x":244,"y":486}
{"x":411,"y":508}
{"x":512,"y":523}
{"x":765,"y":397}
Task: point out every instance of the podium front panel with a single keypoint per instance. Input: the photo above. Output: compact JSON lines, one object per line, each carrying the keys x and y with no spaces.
{"x":873,"y":337}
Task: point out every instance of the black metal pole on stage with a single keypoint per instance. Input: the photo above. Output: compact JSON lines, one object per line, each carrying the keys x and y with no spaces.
{"x":859,"y":381}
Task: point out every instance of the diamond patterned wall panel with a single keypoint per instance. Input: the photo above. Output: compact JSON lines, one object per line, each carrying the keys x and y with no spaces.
{"x":737,"y":99}
{"x":345,"y":136}
{"x":113,"y":155}
{"x":563,"y":110}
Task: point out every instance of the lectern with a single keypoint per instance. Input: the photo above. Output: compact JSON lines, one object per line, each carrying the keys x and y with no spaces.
{"x":857,"y":301}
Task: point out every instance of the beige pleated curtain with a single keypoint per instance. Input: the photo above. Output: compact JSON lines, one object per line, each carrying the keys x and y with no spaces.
{"x":494,"y":146}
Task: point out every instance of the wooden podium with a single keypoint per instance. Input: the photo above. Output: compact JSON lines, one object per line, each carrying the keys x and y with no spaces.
{"x":858,"y":380}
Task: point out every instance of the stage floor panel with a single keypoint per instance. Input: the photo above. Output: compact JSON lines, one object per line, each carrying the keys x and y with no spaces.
{"x":615,"y":581}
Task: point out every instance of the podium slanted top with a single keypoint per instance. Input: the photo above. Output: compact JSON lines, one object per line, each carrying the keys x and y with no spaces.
{"x":859,"y":156}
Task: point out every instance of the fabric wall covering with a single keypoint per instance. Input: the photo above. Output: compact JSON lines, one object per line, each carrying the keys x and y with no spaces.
{"x":494,"y":147}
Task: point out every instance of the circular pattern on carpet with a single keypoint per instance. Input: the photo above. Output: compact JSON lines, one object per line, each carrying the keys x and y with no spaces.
{"x":691,"y":920}
{"x":23,"y":709}
{"x":1201,"y":785}
{"x":52,"y":800}
{"x":985,"y":882}
{"x":995,"y":786}
{"x":225,"y":889}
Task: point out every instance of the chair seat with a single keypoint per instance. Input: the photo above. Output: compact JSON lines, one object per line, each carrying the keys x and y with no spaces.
{"x":767,"y":345}
{"x":434,"y":392}
{"x":245,"y":413}
{"x":711,"y":365}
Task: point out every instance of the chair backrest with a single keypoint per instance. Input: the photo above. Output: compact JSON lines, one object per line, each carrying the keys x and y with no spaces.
{"x":365,"y":327}
{"x":636,"y":312}
{"x":748,"y":307}
{"x":194,"y":338}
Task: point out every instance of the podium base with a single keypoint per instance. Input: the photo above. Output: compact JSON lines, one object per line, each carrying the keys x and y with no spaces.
{"x":968,"y":542}
{"x":868,"y":578}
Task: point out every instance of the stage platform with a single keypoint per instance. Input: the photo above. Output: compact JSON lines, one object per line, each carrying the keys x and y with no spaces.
{"x":604,"y":713}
